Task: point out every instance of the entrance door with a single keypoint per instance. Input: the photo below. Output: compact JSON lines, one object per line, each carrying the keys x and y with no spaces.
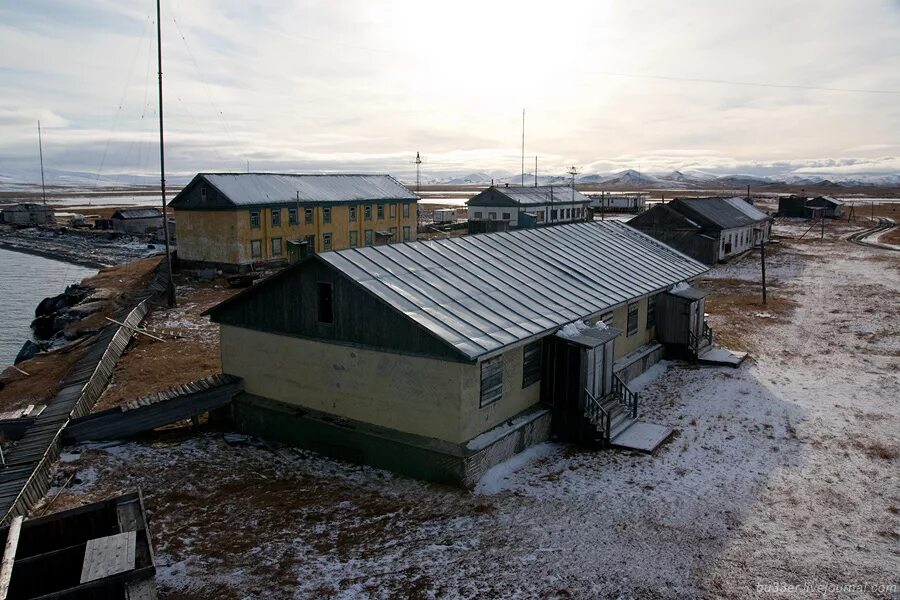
{"x":602,"y":370}
{"x":696,"y":318}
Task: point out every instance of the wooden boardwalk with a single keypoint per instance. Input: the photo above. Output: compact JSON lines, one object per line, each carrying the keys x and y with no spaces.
{"x":156,"y":410}
{"x":25,"y":477}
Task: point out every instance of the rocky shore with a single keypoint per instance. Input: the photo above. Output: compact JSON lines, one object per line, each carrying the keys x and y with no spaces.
{"x":81,"y":247}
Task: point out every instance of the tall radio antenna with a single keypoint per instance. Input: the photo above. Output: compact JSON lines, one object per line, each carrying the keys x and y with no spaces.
{"x":170,"y":287}
{"x":535,"y":171}
{"x":41,"y":152}
{"x":523,"y":147}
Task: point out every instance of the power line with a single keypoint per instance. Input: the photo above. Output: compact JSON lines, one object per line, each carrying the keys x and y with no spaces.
{"x":790,"y":86}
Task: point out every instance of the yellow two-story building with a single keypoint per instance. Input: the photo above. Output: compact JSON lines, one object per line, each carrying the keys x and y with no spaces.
{"x":232,"y":221}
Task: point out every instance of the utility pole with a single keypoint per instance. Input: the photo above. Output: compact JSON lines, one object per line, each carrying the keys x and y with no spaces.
{"x":170,"y":287}
{"x":822,"y":237}
{"x":523,"y":147}
{"x":41,"y":152}
{"x":762,"y":255}
{"x":535,"y":171}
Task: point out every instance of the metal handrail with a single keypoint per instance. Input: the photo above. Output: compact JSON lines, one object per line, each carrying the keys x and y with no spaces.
{"x":597,"y":415}
{"x":694,"y":343}
{"x":625,"y":395}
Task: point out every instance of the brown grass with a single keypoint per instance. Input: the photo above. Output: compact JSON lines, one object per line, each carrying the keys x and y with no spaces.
{"x":891,"y":237}
{"x":187,"y":354}
{"x":882,"y":451}
{"x":737,"y":302}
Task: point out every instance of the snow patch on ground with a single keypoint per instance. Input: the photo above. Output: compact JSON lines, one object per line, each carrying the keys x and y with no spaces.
{"x":499,"y":477}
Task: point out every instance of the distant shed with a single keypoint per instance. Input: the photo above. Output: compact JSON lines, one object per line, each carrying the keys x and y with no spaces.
{"x":832,"y":206}
{"x":27,"y":213}
{"x":136,"y":220}
{"x":792,"y":206}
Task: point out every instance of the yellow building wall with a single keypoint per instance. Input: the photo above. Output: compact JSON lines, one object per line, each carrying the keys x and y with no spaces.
{"x":225,"y":236}
{"x":406,"y":393}
{"x":475,"y":419}
{"x":626,"y":344}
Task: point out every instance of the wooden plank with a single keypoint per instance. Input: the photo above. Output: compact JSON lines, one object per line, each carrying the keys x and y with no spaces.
{"x":9,"y":555}
{"x":108,"y":556}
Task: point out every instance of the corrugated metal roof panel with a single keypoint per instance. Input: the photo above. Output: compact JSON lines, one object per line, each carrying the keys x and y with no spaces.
{"x":531,"y":196}
{"x":484,"y":292}
{"x":725,"y":213}
{"x":247,"y":189}
{"x":137,"y":213}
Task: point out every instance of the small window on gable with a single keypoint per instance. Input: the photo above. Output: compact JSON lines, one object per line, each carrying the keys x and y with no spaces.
{"x":326,"y":308}
{"x":491,"y":380}
{"x":203,"y":192}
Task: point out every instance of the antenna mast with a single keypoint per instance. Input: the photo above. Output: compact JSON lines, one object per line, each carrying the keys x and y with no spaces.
{"x":535,"y":171}
{"x":41,"y":152}
{"x":418,"y":162}
{"x":573,"y":172}
{"x":170,"y":287}
{"x":523,"y":147}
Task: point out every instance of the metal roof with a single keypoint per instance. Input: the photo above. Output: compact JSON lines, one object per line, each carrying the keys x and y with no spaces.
{"x":248,"y":189}
{"x":137,"y":213}
{"x":723,"y":213}
{"x":482,"y":293}
{"x":527,"y":196}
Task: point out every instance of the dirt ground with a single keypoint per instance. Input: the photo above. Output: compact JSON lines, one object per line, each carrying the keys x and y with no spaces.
{"x":783,"y":472}
{"x":190,"y":350}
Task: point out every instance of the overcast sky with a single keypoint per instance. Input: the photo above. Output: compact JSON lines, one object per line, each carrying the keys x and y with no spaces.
{"x":363,"y":85}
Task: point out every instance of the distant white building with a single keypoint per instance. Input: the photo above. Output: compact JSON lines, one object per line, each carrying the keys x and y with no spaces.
{"x":519,"y":207}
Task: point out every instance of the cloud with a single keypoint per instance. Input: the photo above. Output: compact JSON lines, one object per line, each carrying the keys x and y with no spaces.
{"x":362,"y":86}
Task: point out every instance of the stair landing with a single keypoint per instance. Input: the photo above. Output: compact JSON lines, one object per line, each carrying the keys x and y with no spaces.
{"x":714,"y":355}
{"x":643,"y":437}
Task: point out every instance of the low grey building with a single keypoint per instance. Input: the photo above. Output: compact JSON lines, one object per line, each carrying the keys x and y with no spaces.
{"x":27,"y":214}
{"x":707,"y":229}
{"x":522,"y":207}
{"x":137,"y":220}
{"x":832,"y":207}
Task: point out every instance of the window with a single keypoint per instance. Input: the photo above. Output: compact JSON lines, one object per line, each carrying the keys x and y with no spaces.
{"x":254,"y":219}
{"x":406,"y":237}
{"x":405,"y":210}
{"x":352,"y":213}
{"x":255,"y":248}
{"x":553,"y":214}
{"x":506,"y":216}
{"x":539,"y":216}
{"x":393,"y":211}
{"x":368,"y":237}
{"x":354,"y":239}
{"x":491,"y":380}
{"x":203,"y":192}
{"x":276,"y":217}
{"x":478,"y":214}
{"x":651,"y":311}
{"x":368,"y":212}
{"x":531,"y":363}
{"x":607,"y":319}
{"x":492,"y":216}
{"x":393,"y":234}
{"x":632,"y":318}
{"x":293,"y":217}
{"x":276,"y":246}
{"x":326,"y":241}
{"x":326,"y":309}
{"x":308,"y":215}
{"x":326,"y":215}
{"x":380,"y":211}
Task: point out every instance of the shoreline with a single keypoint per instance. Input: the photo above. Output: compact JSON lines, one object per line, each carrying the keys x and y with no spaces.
{"x":51,"y":255}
